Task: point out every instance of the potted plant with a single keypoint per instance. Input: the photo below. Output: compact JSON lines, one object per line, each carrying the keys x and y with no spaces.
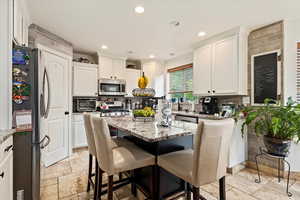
{"x":278,"y":124}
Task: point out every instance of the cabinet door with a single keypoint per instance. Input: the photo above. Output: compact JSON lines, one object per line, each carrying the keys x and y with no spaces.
{"x":132,"y":76}
{"x":105,"y":67}
{"x":79,"y":137}
{"x":6,"y":178}
{"x":85,"y":80}
{"x":119,"y":69}
{"x":202,"y":70}
{"x":225,"y":67}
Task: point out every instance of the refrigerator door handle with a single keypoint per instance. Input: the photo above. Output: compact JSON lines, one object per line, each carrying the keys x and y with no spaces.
{"x":49,"y":93}
{"x":43,"y":144}
{"x":44,"y":108}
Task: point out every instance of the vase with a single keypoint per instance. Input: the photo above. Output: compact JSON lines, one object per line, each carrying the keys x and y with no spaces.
{"x":277,"y":147}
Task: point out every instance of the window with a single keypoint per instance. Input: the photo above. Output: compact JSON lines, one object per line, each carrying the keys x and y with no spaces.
{"x":298,"y":73}
{"x":181,"y":82}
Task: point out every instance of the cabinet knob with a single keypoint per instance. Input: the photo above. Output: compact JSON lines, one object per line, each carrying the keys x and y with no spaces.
{"x":7,"y":149}
{"x":213,"y":91}
{"x":2,"y":175}
{"x":208,"y":91}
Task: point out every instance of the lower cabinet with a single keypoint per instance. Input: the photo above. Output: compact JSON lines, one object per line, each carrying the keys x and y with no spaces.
{"x":78,"y":131}
{"x":6,"y":177}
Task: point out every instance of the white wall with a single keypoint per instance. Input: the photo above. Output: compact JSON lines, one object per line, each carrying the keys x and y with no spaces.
{"x":291,"y":37}
{"x":5,"y":63}
{"x":155,"y":71}
{"x":176,"y":62}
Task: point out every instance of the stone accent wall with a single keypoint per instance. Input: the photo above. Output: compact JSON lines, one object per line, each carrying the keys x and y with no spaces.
{"x":265,"y":39}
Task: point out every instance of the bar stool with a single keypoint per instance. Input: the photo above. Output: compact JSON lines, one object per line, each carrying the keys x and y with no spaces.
{"x":92,"y":151}
{"x":207,"y":162}
{"x":115,"y":160}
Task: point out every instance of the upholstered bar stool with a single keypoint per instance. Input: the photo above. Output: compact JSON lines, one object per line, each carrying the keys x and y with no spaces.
{"x":207,"y":162}
{"x":92,"y":150}
{"x":115,"y":160}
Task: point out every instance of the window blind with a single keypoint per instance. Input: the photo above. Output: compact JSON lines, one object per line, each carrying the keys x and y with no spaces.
{"x":181,"y":81}
{"x":298,"y":72}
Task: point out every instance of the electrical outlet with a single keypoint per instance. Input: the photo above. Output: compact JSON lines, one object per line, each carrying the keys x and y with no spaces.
{"x":20,"y":195}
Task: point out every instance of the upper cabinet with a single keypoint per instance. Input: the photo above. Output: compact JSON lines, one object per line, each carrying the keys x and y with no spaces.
{"x":20,"y":23}
{"x":85,"y":79}
{"x":220,"y":66}
{"x":111,"y":68}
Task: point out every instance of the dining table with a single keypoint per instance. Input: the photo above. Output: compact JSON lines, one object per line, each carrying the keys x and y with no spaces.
{"x":155,"y":182}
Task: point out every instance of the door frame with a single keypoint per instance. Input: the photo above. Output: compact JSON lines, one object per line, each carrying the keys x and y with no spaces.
{"x":69,"y":58}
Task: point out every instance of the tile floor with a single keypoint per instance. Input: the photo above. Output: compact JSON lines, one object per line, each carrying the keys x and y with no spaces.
{"x":67,"y":180}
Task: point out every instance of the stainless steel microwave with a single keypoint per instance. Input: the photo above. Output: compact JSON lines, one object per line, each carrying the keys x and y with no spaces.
{"x":116,"y":87}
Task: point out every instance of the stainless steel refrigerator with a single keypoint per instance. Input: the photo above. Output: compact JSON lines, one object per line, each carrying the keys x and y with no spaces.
{"x":28,"y":97}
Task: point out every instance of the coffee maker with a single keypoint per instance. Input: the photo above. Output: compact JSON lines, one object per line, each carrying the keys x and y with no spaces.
{"x":209,"y":105}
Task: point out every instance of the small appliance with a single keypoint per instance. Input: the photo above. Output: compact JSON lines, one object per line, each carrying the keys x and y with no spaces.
{"x":209,"y":105}
{"x":84,"y":104}
{"x":111,"y":87}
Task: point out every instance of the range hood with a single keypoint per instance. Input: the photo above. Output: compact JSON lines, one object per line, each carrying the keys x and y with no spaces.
{"x":133,"y":64}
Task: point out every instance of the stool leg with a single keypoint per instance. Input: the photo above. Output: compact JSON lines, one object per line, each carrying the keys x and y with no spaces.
{"x":110,"y":187}
{"x":96,"y":192}
{"x":120,"y":176}
{"x":133,"y":185}
{"x":196,"y":193}
{"x":90,"y":172}
{"x":222,"y":189}
{"x":188,"y":191}
{"x":99,"y":187}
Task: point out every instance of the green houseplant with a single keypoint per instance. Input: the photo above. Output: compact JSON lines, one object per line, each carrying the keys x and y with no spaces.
{"x":278,"y":124}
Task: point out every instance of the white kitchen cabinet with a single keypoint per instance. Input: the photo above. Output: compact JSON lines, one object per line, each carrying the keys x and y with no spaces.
{"x":78,"y":131}
{"x":111,"y":67}
{"x":224,"y":76}
{"x":105,"y":67}
{"x":20,"y":23}
{"x":220,"y":66}
{"x":6,"y":173}
{"x":85,"y":79}
{"x":119,"y":69}
{"x":202,"y":70}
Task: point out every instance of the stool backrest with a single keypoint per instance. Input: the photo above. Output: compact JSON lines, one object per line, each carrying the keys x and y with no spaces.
{"x":211,"y":147}
{"x":103,"y":143}
{"x":89,"y":133}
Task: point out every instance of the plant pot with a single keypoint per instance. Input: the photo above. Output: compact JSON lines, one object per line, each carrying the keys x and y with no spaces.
{"x":276,"y":146}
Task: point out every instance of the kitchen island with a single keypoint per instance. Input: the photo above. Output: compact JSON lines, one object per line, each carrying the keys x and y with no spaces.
{"x":155,"y":182}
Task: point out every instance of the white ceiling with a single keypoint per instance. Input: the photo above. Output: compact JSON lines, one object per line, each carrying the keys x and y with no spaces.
{"x":88,"y":24}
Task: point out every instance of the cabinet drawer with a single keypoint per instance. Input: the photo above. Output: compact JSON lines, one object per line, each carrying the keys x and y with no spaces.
{"x":6,"y":148}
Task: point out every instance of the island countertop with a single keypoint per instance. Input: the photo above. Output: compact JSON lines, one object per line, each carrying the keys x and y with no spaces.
{"x":152,"y":131}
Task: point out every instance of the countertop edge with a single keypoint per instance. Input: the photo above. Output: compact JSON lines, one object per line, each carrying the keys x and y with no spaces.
{"x":5,"y":134}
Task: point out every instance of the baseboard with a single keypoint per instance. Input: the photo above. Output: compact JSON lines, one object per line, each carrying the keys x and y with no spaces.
{"x":236,"y":169}
{"x":271,"y":171}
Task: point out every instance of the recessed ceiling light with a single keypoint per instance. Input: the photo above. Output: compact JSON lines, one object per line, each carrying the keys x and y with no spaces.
{"x":139,"y":9}
{"x":152,"y":56}
{"x":104,"y":47}
{"x":172,"y":54}
{"x":201,"y":34}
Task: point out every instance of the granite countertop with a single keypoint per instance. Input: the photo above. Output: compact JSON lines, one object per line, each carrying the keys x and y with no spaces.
{"x":201,"y":116}
{"x":152,"y":131}
{"x":4,"y":134}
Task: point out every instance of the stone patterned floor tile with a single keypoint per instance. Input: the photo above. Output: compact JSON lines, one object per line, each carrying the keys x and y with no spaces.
{"x":244,"y":184}
{"x":72,"y":184}
{"x":235,"y":194}
{"x":49,"y":192}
